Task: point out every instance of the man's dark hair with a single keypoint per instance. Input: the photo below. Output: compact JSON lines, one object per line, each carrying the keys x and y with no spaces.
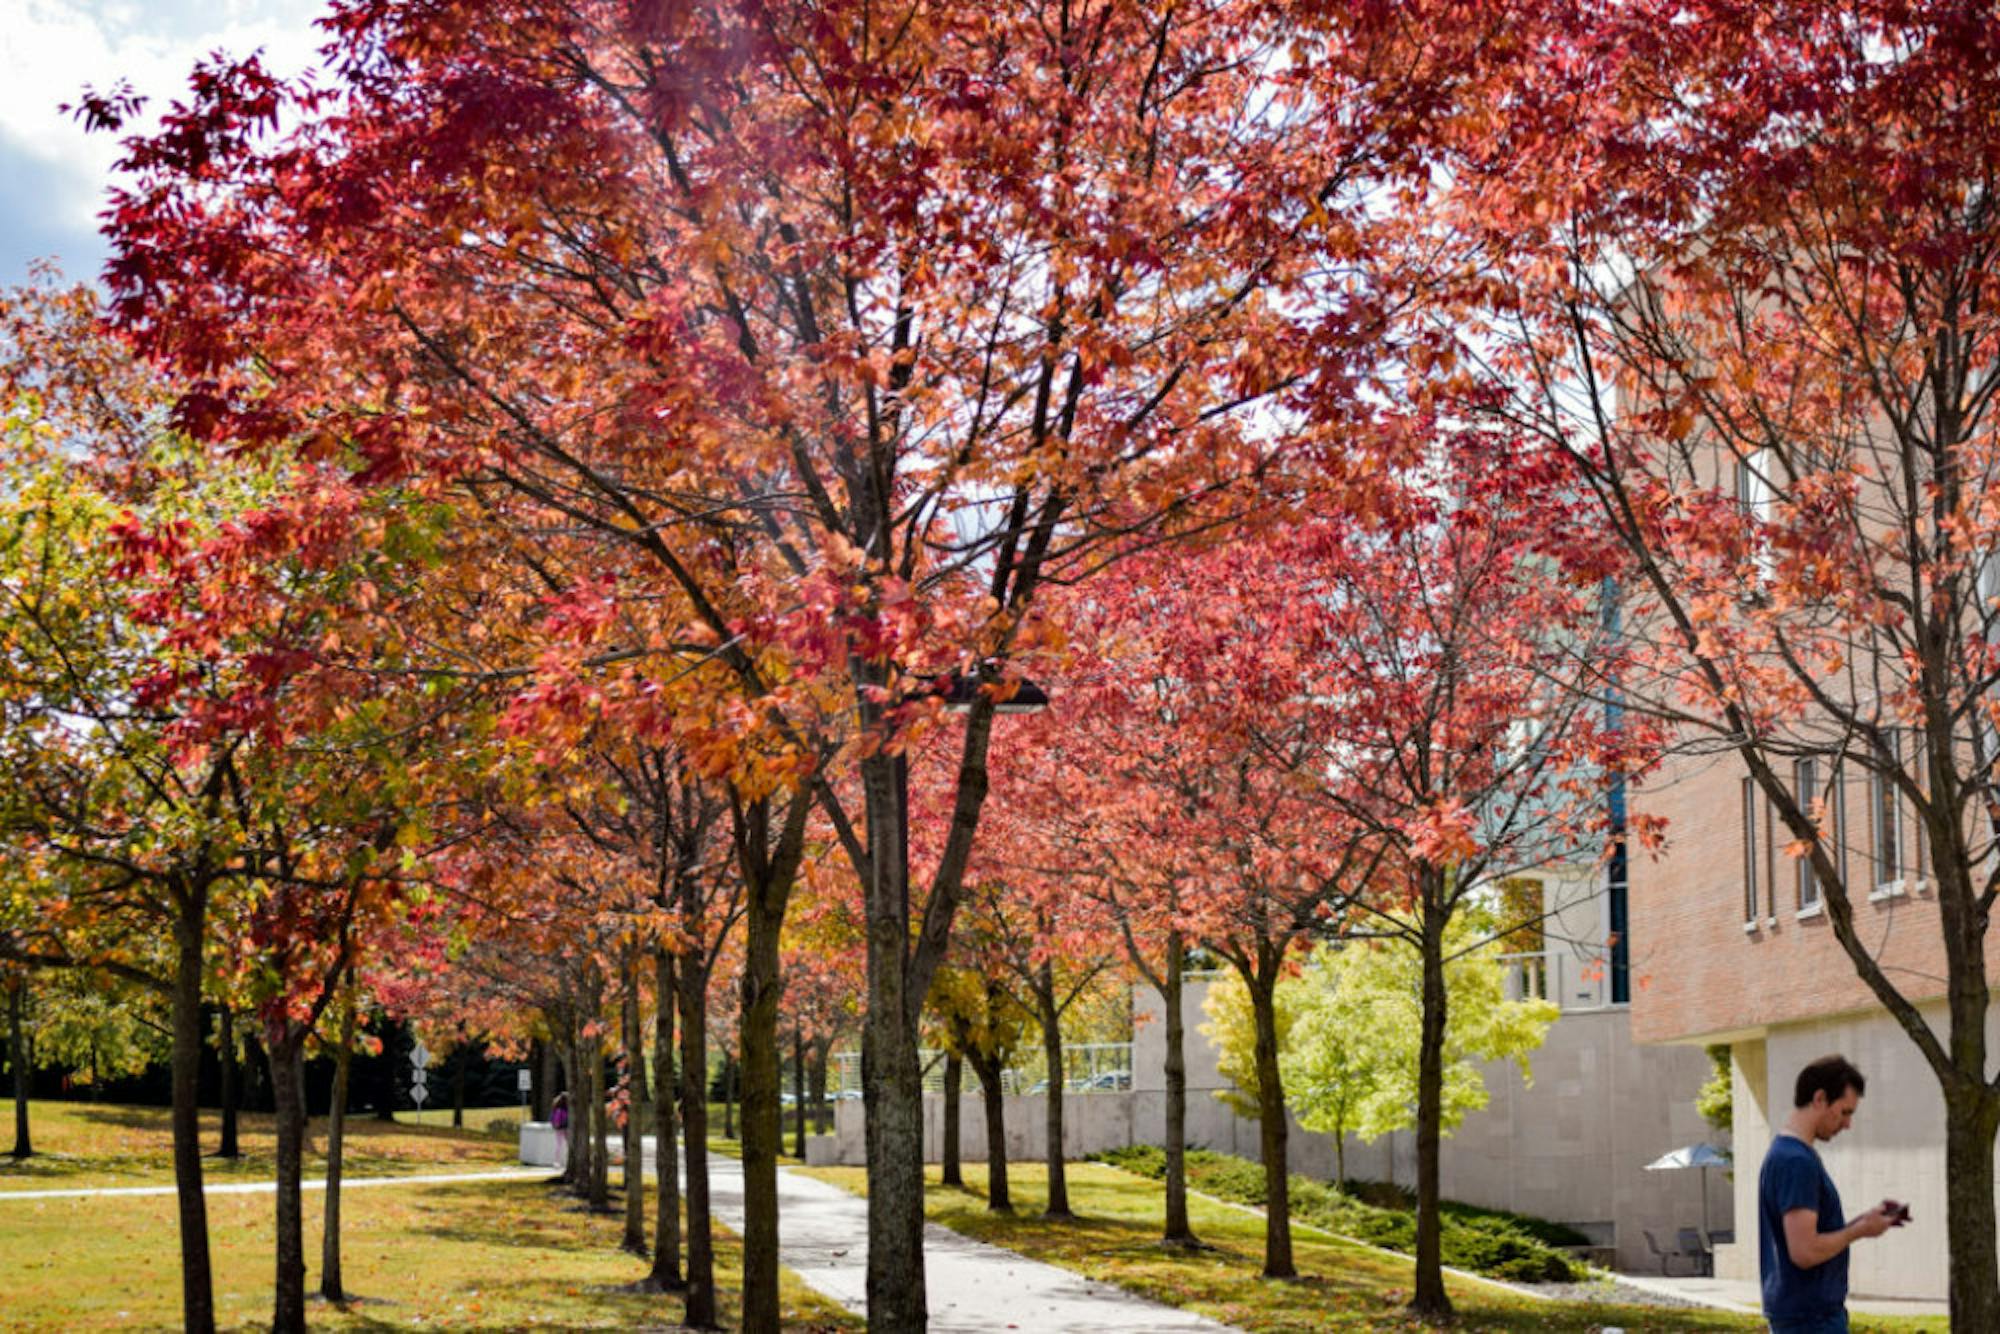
{"x":1831,"y":1075}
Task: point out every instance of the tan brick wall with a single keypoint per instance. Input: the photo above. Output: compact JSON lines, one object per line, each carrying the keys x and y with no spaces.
{"x":1698,"y":974}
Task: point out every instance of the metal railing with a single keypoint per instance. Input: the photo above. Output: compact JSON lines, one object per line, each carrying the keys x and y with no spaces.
{"x":1088,"y":1067}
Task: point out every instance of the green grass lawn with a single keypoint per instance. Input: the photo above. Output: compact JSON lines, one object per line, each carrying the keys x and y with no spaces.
{"x":482,"y":1255}
{"x":1343,"y":1285}
{"x":83,"y":1144}
{"x":488,"y":1255}
{"x":501,"y":1122}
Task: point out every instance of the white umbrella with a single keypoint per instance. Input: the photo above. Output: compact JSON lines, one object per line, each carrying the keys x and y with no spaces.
{"x":1703,"y":1156}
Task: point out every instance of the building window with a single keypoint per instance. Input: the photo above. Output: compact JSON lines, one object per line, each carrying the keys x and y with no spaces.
{"x":1887,"y":830}
{"x":1770,"y":859}
{"x":1749,"y":850}
{"x":1756,"y":494}
{"x":1836,"y":801}
{"x":1920,"y":771}
{"x":1805,"y":790}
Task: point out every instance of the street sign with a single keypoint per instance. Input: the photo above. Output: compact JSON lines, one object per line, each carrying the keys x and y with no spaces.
{"x":523,"y":1081}
{"x":420,"y":1056}
{"x":418,"y":1090}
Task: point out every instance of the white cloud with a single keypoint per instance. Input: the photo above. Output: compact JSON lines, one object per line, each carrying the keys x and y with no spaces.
{"x":51,"y":49}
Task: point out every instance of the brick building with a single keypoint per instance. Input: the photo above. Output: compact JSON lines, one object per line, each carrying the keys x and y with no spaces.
{"x":1733,"y":947}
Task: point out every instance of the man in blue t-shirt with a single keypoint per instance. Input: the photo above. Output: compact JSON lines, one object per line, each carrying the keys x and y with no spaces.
{"x":1802,"y":1236}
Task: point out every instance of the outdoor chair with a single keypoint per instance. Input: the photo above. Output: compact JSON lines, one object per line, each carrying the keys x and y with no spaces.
{"x":1695,"y":1244}
{"x":1667,"y":1257}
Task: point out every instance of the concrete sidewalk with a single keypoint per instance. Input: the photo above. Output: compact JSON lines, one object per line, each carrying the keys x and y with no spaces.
{"x":971,"y":1287}
{"x":1742,"y":1294}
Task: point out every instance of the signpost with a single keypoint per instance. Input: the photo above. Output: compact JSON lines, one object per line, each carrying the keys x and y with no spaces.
{"x":524,"y":1082}
{"x":420,"y":1057}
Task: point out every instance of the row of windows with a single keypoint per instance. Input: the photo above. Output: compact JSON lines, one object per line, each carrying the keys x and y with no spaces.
{"x":1757,"y":496}
{"x":1890,"y":858}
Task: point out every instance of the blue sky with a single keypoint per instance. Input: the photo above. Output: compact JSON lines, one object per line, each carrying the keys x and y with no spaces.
{"x":52,"y":175}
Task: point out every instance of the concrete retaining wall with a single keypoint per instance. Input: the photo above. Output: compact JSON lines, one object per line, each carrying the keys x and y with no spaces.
{"x":1573,"y":1147}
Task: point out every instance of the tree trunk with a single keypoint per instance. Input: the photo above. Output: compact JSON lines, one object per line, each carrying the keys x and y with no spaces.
{"x":1178,"y":1231}
{"x":460,"y":1059}
{"x":256,"y":1071}
{"x":1273,"y":1134}
{"x":538,"y":1080}
{"x":892,"y":1101}
{"x":599,"y":1126}
{"x":17,"y":1057}
{"x":635,"y":1098}
{"x":699,"y":1311}
{"x":231,"y":1087}
{"x":799,"y":1093}
{"x":288,"y":1311}
{"x":1428,"y":1297}
{"x":1340,"y":1155}
{"x":305,"y":1104}
{"x":330,"y":1284}
{"x":993,"y":1101}
{"x":822,"y":1108}
{"x":1972,"y":1118}
{"x":891,"y":1080}
{"x":763,"y":1129}
{"x":954,"y":1073}
{"x":666,"y":1275}
{"x":197,"y":1284}
{"x":729,"y":1093}
{"x":386,"y":1093}
{"x":576,"y":1135}
{"x":1052,"y":1053}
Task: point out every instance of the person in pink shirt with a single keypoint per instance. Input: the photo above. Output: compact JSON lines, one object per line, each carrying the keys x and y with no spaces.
{"x":559,"y":1118}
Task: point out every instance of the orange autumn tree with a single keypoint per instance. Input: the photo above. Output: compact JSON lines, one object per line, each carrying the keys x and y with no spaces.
{"x":1101,"y":806}
{"x":824,"y":977}
{"x":1339,"y":727}
{"x":852,"y":330}
{"x":1738,"y":264}
{"x":1440,"y":690}
{"x":202,"y":747}
{"x":1047,"y":946}
{"x":1171,"y":791}
{"x":120,"y":842}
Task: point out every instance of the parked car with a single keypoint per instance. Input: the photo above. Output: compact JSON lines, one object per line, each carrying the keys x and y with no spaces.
{"x":1105,"y":1081}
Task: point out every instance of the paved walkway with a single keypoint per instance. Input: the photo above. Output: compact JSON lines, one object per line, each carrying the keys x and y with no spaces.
{"x":1742,"y":1294}
{"x":971,"y":1287}
{"x":267,"y":1187}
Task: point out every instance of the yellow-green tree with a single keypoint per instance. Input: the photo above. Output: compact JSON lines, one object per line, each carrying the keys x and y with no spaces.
{"x":1232,"y":1030}
{"x":99,"y":1027}
{"x":980,"y":1020}
{"x":1348,"y":1031}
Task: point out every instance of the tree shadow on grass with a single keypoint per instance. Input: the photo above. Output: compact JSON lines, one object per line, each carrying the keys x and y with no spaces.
{"x":54,"y":1168}
{"x":570,"y":1306}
